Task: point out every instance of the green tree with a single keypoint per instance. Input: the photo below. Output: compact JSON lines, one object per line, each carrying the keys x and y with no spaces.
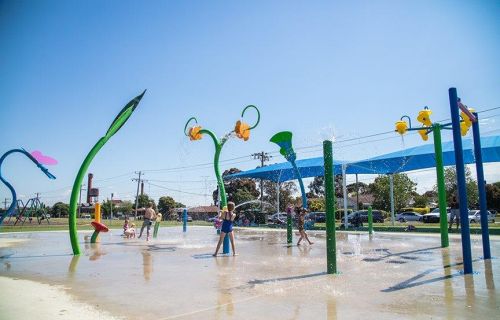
{"x":287,"y":190}
{"x":316,"y":204}
{"x":450,"y":182}
{"x":144,"y":200}
{"x":403,"y":191}
{"x":420,"y":201}
{"x":166,"y":206}
{"x":59,"y":209}
{"x":106,"y":208}
{"x":238,"y":190}
{"x":126,"y":207}
{"x":493,"y":196}
{"x":317,"y":187}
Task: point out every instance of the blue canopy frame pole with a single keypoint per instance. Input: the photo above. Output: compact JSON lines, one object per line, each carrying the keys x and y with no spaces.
{"x":344,"y":190}
{"x":462,"y":190}
{"x":482,"y":189}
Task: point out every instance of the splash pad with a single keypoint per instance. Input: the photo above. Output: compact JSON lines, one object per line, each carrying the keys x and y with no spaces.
{"x":400,"y":275}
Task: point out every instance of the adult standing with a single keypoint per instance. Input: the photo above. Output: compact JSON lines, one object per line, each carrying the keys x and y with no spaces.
{"x":454,"y":212}
{"x":149,"y":216}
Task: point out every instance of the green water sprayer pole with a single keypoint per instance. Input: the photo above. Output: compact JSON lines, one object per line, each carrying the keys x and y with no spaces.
{"x":331,"y":247}
{"x":289,"y":232}
{"x":370,"y":220}
{"x":443,"y":217}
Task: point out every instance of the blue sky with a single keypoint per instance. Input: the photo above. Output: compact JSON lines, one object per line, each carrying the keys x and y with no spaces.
{"x":68,"y":67}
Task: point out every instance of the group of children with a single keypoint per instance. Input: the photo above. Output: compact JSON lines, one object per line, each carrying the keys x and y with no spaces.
{"x":226,"y":216}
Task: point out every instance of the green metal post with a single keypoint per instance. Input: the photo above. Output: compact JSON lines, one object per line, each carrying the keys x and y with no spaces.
{"x":93,"y":239}
{"x":289,"y":233}
{"x":370,"y":220}
{"x":331,"y":247}
{"x":443,"y":217}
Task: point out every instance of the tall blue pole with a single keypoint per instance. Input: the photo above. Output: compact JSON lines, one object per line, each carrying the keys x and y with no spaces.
{"x":184,"y":219}
{"x":462,"y":190}
{"x":482,"y":188}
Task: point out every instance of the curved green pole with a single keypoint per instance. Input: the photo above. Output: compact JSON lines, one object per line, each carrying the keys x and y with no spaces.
{"x":118,"y":122}
{"x":73,"y":203}
{"x":218,"y":144}
{"x":220,"y":182}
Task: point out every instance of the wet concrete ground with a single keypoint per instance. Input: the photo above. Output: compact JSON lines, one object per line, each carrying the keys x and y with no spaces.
{"x":388,"y":276}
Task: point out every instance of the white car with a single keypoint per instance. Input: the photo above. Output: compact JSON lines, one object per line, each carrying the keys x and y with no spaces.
{"x":277,"y":218}
{"x":475,"y":216}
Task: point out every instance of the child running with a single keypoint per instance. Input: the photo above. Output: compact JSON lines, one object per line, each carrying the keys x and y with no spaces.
{"x":301,"y":213}
{"x":227,"y":226}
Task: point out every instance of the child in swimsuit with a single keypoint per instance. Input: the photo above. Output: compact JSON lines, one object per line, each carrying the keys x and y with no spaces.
{"x":301,"y":213}
{"x":227,"y":226}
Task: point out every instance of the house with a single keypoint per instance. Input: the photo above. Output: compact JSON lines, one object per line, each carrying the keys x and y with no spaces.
{"x":199,"y":213}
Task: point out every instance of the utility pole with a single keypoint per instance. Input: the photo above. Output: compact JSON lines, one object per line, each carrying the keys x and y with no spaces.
{"x":5,"y":203}
{"x":263,"y":157}
{"x":111,"y":207}
{"x":205,"y":178}
{"x":137,"y":193}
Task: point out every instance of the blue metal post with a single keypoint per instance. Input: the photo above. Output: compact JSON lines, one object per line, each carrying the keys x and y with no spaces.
{"x":462,"y":191}
{"x":482,"y":189}
{"x":184,"y":219}
{"x":225,"y":245}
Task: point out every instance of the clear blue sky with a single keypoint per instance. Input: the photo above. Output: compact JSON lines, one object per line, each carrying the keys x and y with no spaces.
{"x":68,"y":67}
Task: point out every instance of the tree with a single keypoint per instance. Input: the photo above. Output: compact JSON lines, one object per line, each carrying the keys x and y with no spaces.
{"x":317,"y":204}
{"x":450,"y":182}
{"x":493,"y":196}
{"x":144,"y":200}
{"x":166,"y":206}
{"x":317,"y":187}
{"x":126,"y":207}
{"x":403,"y":191}
{"x":287,"y":189}
{"x":362,"y":187}
{"x":59,"y":209}
{"x":420,"y":201}
{"x":106,"y":208}
{"x":238,"y":190}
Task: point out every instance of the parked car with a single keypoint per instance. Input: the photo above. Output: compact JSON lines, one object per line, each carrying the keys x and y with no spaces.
{"x":316,"y":216}
{"x":85,"y":216}
{"x":212,"y":219}
{"x":409,"y":216}
{"x":434,"y":216}
{"x":475,"y":216}
{"x":277,"y":218}
{"x":363,"y":214}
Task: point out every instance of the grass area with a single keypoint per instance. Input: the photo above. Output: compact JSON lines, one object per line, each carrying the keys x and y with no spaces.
{"x":83,"y":224}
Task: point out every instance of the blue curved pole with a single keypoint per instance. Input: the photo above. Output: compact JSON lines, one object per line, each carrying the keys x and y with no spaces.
{"x":482,"y":189}
{"x":12,"y":206}
{"x":301,"y":184}
{"x":462,"y":190}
